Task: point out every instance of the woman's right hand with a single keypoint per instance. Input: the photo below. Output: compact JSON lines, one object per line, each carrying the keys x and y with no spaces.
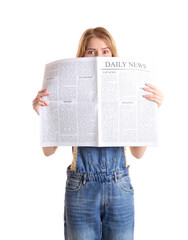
{"x":39,"y":101}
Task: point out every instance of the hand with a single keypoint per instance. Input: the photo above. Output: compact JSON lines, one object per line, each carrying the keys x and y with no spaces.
{"x":156,"y":95}
{"x":38,"y":101}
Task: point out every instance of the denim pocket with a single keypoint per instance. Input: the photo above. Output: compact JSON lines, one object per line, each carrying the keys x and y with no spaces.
{"x":125,"y":184}
{"x":73,"y":184}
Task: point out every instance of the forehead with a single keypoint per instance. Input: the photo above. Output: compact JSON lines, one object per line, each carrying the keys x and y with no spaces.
{"x":97,"y":43}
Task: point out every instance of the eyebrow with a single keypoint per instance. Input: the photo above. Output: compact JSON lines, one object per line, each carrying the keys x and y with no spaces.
{"x":95,"y":49}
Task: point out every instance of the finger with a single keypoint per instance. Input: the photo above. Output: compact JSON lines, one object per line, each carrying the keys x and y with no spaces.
{"x":152,"y":97}
{"x":39,"y":96}
{"x":43,"y":90}
{"x":151,"y":86}
{"x":151,"y":90}
{"x":43,"y":94}
{"x":40,"y":100}
{"x":43,"y":103}
{"x":39,"y":104}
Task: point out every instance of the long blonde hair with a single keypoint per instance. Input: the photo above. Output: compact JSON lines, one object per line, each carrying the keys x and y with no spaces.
{"x":98,"y":32}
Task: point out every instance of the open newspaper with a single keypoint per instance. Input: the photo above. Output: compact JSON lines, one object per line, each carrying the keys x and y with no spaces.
{"x":97,"y":101}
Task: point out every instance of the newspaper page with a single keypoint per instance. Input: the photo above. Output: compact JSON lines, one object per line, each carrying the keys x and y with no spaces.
{"x":97,"y":102}
{"x":125,"y":117}
{"x":71,"y":117}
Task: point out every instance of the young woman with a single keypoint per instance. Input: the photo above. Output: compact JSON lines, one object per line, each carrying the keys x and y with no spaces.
{"x":99,"y":197}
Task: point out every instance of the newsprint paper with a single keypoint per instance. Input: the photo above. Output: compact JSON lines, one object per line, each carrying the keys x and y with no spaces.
{"x":97,"y":101}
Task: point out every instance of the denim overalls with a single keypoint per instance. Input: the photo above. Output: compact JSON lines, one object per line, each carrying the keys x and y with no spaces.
{"x":99,"y":197}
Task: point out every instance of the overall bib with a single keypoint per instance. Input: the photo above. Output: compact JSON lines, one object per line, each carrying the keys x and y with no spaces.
{"x":99,"y":197}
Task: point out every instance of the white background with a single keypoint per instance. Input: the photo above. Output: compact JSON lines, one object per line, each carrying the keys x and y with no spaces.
{"x":31,"y":185}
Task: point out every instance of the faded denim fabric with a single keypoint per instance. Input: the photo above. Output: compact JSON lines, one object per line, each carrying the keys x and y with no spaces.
{"x":99,"y":197}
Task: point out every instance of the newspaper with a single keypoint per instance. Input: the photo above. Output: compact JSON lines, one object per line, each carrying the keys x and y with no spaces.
{"x":97,"y":101}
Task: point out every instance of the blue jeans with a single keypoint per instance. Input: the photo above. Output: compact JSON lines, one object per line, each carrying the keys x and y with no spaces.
{"x":99,"y":197}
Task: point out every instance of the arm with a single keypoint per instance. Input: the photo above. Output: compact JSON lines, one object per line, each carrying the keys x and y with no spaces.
{"x":49,"y":150}
{"x":138,"y":152}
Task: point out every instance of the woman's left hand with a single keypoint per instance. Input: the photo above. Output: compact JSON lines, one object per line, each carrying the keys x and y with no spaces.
{"x":156,"y":95}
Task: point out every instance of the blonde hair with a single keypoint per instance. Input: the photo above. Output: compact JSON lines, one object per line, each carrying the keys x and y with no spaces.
{"x":98,"y":32}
